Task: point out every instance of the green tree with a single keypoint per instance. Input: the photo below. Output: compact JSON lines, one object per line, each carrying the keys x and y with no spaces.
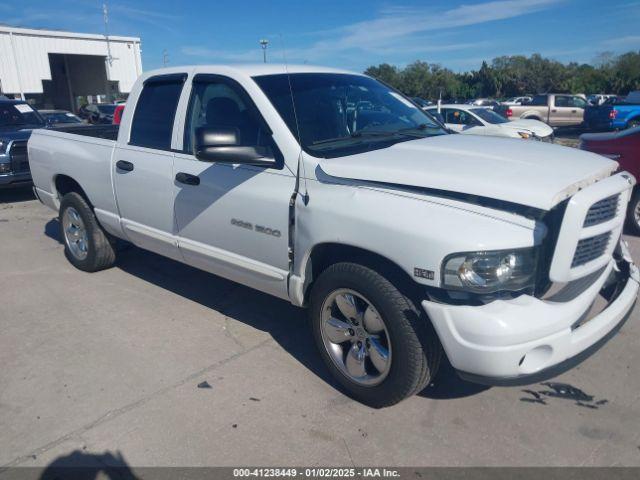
{"x":515,"y":75}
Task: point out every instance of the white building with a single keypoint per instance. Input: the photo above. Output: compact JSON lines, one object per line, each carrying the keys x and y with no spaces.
{"x":51,"y":69}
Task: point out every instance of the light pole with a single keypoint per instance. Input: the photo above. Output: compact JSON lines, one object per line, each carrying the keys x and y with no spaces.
{"x":264,"y":43}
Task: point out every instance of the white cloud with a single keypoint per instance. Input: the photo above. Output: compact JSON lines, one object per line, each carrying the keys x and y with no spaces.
{"x":629,"y":41}
{"x":395,"y":29}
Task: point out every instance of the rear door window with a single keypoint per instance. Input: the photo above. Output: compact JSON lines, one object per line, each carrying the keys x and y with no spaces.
{"x":152,"y":124}
{"x":539,"y":101}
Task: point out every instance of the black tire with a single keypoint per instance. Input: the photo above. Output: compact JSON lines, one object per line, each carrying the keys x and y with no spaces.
{"x":416,"y":350}
{"x":633,"y":223}
{"x":100,"y":249}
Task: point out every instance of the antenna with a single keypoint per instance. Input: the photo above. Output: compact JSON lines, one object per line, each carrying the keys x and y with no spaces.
{"x":165,"y":57}
{"x":286,"y":69}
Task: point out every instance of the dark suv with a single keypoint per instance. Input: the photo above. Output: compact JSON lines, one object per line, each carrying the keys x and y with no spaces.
{"x":17,"y":120}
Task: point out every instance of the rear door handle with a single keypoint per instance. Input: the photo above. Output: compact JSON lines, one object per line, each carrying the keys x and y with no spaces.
{"x":124,"y":165}
{"x":187,"y":179}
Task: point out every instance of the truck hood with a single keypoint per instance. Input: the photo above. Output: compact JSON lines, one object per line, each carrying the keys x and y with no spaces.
{"x":8,"y":134}
{"x":529,"y":173}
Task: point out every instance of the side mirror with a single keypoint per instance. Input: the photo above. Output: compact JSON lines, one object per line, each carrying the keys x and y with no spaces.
{"x":439,"y":117}
{"x":223,"y":144}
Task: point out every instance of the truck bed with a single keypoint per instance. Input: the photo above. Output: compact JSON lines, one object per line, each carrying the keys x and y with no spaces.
{"x":81,"y":154}
{"x":108,"y":132}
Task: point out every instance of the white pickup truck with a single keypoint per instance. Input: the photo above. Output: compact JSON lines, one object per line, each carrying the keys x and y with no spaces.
{"x":332,"y":191}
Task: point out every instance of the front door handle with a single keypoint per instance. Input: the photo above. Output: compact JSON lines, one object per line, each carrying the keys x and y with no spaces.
{"x":124,"y":165}
{"x":187,"y":179}
{"x":554,"y":110}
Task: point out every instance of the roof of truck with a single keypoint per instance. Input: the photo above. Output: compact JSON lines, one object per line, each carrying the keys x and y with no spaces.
{"x":253,"y":69}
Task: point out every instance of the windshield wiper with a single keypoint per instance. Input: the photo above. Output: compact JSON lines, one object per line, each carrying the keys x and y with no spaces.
{"x":404,"y":132}
{"x":413,"y":131}
{"x":356,"y":135}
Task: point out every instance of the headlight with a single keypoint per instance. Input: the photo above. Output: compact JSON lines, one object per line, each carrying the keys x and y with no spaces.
{"x":490,"y":272}
{"x":5,"y":168}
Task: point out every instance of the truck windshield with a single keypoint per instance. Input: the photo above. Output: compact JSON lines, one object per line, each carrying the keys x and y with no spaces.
{"x":342,"y":114}
{"x":19,"y":115}
{"x":60,"y":117}
{"x":489,"y":115}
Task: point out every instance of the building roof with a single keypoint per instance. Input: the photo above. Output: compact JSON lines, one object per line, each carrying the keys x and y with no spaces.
{"x":36,"y":32}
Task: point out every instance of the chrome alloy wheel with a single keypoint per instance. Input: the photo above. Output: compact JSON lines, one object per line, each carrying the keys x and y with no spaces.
{"x":355,"y":337}
{"x":75,"y":233}
{"x":636,"y":213}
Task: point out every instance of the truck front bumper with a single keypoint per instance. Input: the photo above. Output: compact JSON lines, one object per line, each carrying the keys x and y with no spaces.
{"x":15,"y":179}
{"x":525,"y":340}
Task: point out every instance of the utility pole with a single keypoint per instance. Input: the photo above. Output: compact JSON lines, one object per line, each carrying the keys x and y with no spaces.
{"x":264,"y":43}
{"x":105,"y":12}
{"x":165,"y":57}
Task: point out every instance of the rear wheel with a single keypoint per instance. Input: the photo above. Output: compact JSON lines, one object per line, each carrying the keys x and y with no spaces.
{"x":372,"y":338}
{"x":86,"y":244}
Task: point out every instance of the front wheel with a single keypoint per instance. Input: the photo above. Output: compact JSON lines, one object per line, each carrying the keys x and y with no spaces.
{"x":372,"y":338}
{"x":633,"y":213}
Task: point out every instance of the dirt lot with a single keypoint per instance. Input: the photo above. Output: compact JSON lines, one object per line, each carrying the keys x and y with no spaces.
{"x":155,"y":363}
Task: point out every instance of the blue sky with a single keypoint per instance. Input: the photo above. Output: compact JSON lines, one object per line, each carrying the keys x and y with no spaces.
{"x":350,"y":34}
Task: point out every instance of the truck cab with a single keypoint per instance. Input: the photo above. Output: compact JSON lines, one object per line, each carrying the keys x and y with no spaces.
{"x":555,"y":109}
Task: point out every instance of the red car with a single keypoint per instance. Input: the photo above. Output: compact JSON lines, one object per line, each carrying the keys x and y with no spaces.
{"x":117,"y":114}
{"x":624,"y":148}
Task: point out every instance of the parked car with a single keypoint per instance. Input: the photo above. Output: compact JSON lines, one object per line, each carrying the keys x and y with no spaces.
{"x":421,"y":102}
{"x":59,"y":117}
{"x":17,"y":120}
{"x":624,"y":148}
{"x":100,"y":113}
{"x":484,"y":102}
{"x":617,"y":114}
{"x":517,"y":100}
{"x":557,"y":110}
{"x":117,"y":114}
{"x":474,"y":120}
{"x":499,"y":247}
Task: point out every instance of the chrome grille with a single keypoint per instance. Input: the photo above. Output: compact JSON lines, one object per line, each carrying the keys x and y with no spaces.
{"x":590,"y":248}
{"x":19,"y":159}
{"x":602,"y":211}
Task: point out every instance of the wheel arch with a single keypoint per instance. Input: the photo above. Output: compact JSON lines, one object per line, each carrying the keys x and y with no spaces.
{"x":65,"y":184}
{"x":635,"y":118}
{"x":323,"y":255}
